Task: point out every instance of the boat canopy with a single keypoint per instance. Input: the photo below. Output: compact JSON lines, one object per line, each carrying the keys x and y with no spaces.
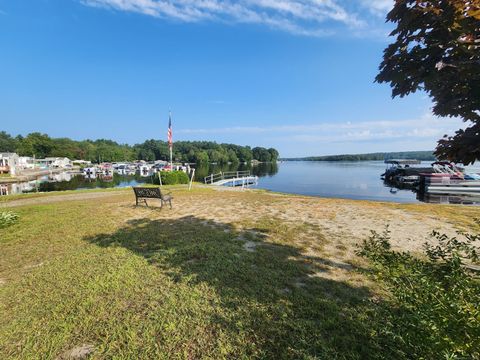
{"x":403,"y":162}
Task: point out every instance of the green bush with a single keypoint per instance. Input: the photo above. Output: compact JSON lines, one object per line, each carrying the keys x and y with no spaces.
{"x":434,"y":310}
{"x":168,"y":177}
{"x":174,"y":177}
{"x":7,"y":218}
{"x":182,"y":177}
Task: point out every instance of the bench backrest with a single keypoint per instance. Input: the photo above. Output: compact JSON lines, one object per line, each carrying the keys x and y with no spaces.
{"x":143,"y":192}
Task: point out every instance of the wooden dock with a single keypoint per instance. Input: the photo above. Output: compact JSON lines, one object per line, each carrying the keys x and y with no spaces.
{"x":232,"y":178}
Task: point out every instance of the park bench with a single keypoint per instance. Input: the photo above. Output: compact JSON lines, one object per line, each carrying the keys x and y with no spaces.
{"x":144,"y":193}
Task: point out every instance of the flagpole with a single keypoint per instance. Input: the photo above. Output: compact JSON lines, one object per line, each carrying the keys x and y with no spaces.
{"x":171,"y":144}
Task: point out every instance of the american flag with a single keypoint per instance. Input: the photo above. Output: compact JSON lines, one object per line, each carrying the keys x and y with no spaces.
{"x":169,"y":134}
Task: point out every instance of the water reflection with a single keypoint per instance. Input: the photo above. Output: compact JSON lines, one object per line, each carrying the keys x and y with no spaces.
{"x":260,"y":170}
{"x":69,"y":181}
{"x":448,"y":199}
{"x":351,"y":180}
{"x":92,"y":181}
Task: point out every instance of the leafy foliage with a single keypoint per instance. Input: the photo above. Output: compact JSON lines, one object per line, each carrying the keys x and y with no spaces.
{"x":7,"y":142}
{"x":463,"y":147}
{"x":7,"y":218}
{"x":201,"y":152}
{"x":265,"y":155}
{"x":437,"y":49}
{"x":435,"y":311}
{"x":174,"y":177}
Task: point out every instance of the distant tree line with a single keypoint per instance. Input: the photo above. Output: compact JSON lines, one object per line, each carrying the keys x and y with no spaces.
{"x":418,"y":155}
{"x":102,"y":150}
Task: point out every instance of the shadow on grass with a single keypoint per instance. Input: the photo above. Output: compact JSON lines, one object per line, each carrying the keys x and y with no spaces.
{"x":266,"y":292}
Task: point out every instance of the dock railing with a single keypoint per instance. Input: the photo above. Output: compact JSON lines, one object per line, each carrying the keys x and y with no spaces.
{"x":213,"y":178}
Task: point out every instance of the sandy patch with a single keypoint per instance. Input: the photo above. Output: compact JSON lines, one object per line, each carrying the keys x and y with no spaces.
{"x":79,"y":352}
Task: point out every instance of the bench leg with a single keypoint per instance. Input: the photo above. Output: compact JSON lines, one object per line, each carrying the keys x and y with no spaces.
{"x":164,"y":202}
{"x":137,"y":202}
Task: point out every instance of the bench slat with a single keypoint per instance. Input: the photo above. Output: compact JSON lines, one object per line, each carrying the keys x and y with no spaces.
{"x":151,"y":193}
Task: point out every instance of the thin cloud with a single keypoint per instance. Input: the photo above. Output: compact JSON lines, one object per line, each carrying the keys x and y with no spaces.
{"x":427,"y":127}
{"x":378,"y":7}
{"x":301,"y":17}
{"x":217,"y":102}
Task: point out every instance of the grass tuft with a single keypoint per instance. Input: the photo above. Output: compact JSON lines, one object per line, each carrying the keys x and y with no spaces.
{"x":7,"y":218}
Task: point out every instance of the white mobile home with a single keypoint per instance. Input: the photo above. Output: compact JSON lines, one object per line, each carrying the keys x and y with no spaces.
{"x":8,"y":163}
{"x":54,"y":162}
{"x":26,"y":162}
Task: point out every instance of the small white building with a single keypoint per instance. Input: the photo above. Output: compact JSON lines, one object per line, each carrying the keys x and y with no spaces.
{"x":26,"y":162}
{"x":8,"y":163}
{"x":54,"y":162}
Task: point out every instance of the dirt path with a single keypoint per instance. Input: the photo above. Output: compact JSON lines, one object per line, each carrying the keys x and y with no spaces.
{"x":48,"y":198}
{"x":54,"y":198}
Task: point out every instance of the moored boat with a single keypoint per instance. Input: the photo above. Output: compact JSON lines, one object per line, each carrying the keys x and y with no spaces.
{"x":404,"y":172}
{"x":90,"y":171}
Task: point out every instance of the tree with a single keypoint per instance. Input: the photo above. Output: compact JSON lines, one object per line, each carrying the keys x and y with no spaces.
{"x":201,"y":157}
{"x":273,"y":154}
{"x":218,"y":156}
{"x":437,"y":49}
{"x":201,"y":152}
{"x":65,"y":147}
{"x":7,"y":142}
{"x":214,"y":156}
{"x":232,"y":156}
{"x":36,"y":144}
{"x":146,"y":154}
{"x":244,"y":154}
{"x":261,"y":154}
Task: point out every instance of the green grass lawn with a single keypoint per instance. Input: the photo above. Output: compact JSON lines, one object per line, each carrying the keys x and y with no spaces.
{"x":142,"y":284}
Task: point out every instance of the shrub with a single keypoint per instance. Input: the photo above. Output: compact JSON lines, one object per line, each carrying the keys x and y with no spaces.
{"x":434,"y":310}
{"x":182,"y":177}
{"x":168,"y":177}
{"x":7,"y":218}
{"x":174,"y":177}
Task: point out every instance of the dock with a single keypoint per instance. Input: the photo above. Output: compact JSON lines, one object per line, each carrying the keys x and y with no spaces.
{"x":232,"y":178}
{"x":448,"y":188}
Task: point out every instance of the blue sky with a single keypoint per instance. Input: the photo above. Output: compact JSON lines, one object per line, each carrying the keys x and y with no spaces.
{"x":292,"y":74}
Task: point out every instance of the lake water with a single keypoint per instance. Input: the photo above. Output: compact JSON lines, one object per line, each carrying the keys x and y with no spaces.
{"x":350,"y":180}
